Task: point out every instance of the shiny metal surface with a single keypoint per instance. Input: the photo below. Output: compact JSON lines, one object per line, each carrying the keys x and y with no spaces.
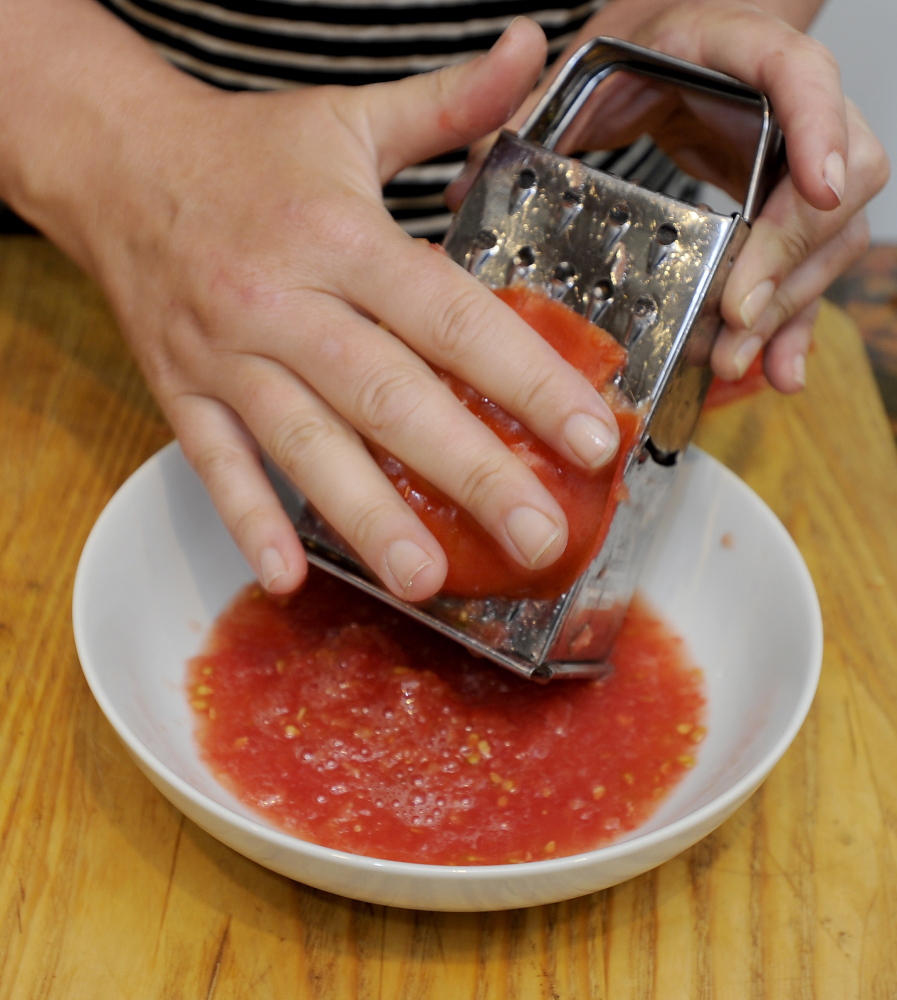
{"x":602,"y":56}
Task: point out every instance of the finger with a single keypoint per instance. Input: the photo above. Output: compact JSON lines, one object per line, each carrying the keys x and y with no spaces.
{"x":227,"y":460}
{"x":453,"y":321}
{"x":422,"y":116}
{"x":785,"y":361}
{"x":391,"y":397}
{"x":798,"y":74}
{"x":795,"y":251}
{"x":736,"y":347}
{"x":330,"y":465}
{"x":788,"y":228}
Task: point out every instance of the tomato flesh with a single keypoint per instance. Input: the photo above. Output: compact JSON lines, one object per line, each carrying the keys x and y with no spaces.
{"x":478,"y":566}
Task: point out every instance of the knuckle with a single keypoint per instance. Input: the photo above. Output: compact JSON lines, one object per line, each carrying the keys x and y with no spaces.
{"x":299,"y":435}
{"x":782,"y":308}
{"x":483,"y":480}
{"x":234,"y":286}
{"x":816,"y":50}
{"x":797,"y":49}
{"x":459,"y":326}
{"x":870,"y":162}
{"x":216,"y":463}
{"x":770,"y":66}
{"x":857,"y":236}
{"x":338,"y":228}
{"x":796,"y":243}
{"x":364,"y":527}
{"x":534,"y":393}
{"x":389,"y":397}
{"x":312,"y":214}
{"x":162,"y":365}
{"x":248,"y":522}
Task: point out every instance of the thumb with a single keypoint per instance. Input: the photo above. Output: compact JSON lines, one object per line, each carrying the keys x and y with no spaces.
{"x":422,"y":116}
{"x":479,"y":150}
{"x":456,"y":191}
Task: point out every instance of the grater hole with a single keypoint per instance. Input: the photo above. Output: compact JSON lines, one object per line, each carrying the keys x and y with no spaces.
{"x":666,"y":234}
{"x":660,"y":456}
{"x":525,"y":257}
{"x":523,"y":188}
{"x":483,"y":247}
{"x":600,"y":300}
{"x":644,"y":307}
{"x":562,"y":280}
{"x":619,"y":215}
{"x":565,"y":272}
{"x":644,"y":313}
{"x":615,"y":227}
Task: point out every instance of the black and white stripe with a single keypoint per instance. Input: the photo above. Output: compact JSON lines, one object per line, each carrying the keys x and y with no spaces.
{"x":268,"y":45}
{"x":283,"y":44}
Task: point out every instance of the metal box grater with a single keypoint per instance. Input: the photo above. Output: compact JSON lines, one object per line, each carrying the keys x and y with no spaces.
{"x":647,"y":268}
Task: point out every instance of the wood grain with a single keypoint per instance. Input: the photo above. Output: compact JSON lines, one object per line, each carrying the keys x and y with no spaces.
{"x":107,"y":892}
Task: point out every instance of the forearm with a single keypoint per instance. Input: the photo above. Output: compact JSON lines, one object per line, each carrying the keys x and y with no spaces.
{"x":79,"y":90}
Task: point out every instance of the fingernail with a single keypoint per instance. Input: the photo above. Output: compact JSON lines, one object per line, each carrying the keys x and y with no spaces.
{"x":834,"y":172}
{"x":753,"y":304}
{"x":271,"y":566}
{"x":532,"y":534}
{"x":404,"y":560}
{"x":507,"y":30}
{"x":592,"y":440}
{"x":799,"y":370}
{"x":744,"y":356}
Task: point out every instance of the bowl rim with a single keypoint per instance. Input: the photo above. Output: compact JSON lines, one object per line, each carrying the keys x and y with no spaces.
{"x":725,"y":801}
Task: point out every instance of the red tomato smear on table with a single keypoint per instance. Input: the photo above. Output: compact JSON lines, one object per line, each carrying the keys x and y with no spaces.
{"x":478,"y":566}
{"x":345,"y":723}
{"x":722,"y":392}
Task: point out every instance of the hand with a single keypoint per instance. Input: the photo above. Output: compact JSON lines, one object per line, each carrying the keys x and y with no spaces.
{"x":275,"y":306}
{"x":813,"y":225}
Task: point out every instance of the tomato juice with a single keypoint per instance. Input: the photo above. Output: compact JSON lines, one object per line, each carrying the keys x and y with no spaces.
{"x":347,"y":724}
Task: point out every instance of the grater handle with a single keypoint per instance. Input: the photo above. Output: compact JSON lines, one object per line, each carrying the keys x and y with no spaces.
{"x":602,"y":56}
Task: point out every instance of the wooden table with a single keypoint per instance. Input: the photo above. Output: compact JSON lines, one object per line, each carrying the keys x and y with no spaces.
{"x":108,"y":892}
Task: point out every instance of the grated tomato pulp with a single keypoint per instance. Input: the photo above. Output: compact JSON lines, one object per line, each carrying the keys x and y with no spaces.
{"x":348,"y":724}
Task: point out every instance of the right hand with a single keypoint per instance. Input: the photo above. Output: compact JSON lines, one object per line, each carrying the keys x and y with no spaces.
{"x":275,"y":307}
{"x":813,"y":225}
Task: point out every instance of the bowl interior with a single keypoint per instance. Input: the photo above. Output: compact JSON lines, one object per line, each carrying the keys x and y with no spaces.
{"x":159,"y":567}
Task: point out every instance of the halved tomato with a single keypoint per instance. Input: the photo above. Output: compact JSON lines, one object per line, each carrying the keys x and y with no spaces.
{"x":478,"y":566}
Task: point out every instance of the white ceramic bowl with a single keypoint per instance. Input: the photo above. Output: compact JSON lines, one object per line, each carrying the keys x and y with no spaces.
{"x":158,"y":567}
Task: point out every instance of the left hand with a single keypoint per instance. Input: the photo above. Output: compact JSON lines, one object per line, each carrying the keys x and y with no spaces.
{"x":813,"y":224}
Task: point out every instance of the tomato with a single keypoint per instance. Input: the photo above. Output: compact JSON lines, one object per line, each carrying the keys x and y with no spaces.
{"x":478,"y":566}
{"x":721,"y":392}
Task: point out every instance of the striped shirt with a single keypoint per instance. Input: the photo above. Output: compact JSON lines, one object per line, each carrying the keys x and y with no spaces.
{"x":279,"y":44}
